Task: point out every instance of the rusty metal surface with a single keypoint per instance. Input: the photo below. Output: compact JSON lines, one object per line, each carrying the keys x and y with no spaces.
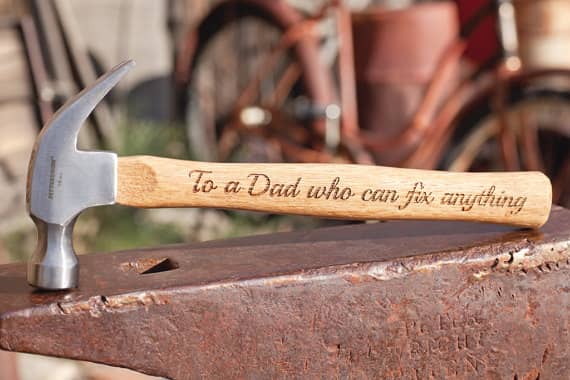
{"x":410,"y":300}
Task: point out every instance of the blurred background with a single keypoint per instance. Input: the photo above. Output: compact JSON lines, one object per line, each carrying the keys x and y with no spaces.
{"x":465,"y":85}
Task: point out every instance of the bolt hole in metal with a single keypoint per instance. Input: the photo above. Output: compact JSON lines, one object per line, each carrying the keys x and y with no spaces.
{"x":164,"y":266}
{"x":150,"y":265}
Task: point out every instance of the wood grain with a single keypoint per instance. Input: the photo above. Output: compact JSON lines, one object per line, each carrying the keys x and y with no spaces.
{"x":358,"y":192}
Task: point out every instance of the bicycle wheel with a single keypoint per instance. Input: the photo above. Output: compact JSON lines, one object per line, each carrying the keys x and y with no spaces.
{"x":536,"y":114}
{"x":230,"y":111}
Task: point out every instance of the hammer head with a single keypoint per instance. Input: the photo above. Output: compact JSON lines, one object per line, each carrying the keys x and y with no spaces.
{"x":63,"y":181}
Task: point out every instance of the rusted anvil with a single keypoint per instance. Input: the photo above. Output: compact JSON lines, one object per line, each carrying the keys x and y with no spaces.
{"x":396,"y":300}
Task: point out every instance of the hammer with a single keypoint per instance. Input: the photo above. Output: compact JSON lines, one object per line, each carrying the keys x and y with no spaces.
{"x":63,"y":181}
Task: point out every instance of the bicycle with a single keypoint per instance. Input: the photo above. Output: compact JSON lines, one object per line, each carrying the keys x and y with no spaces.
{"x":471,"y":130}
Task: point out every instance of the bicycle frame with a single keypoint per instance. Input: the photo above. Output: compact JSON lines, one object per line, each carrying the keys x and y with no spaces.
{"x":427,"y":135}
{"x":424,"y":139}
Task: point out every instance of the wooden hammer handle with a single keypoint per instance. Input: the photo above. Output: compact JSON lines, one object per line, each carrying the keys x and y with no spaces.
{"x":337,"y":191}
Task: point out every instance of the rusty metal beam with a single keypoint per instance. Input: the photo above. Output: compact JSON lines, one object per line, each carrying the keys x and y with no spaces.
{"x":411,"y":300}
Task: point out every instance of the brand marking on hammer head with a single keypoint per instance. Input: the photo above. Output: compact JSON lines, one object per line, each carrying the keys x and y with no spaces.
{"x":51,"y":186}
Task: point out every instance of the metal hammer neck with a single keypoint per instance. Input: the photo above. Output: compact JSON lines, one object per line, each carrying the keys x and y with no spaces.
{"x":54,"y":264}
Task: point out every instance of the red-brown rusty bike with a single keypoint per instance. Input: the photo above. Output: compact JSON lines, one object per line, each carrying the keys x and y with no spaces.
{"x":510,"y":112}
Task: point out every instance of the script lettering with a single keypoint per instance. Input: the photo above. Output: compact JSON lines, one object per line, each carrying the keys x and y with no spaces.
{"x":330,"y":192}
{"x":336,"y":189}
{"x":261,"y":184}
{"x":200,"y":185}
{"x":417,"y":195}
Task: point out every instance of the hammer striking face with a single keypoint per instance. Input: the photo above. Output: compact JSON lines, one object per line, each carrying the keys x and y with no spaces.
{"x":63,"y":181}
